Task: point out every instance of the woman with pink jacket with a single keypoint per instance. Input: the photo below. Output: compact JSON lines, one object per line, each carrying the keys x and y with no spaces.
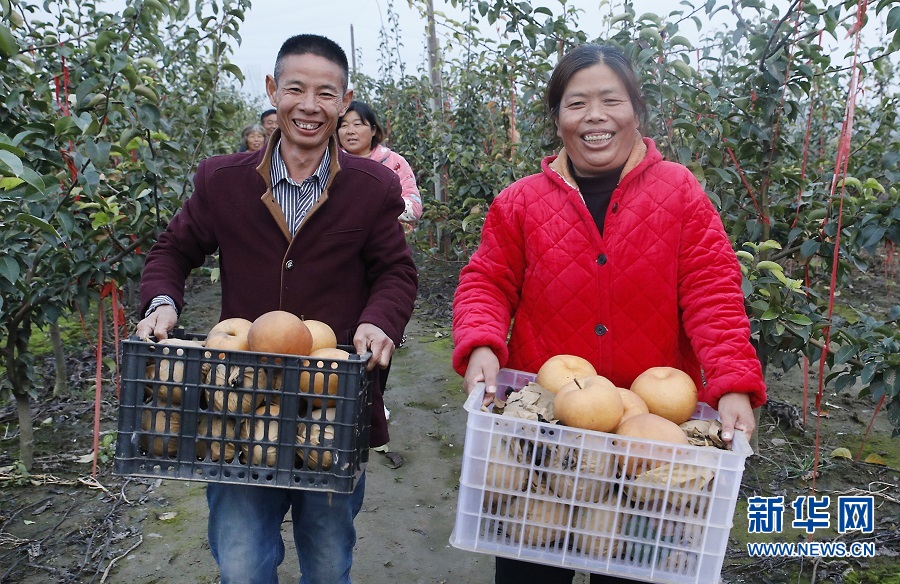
{"x":360,"y":133}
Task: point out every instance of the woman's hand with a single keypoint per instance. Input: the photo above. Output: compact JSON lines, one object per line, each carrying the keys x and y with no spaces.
{"x":736,"y":414}
{"x":483,"y":367}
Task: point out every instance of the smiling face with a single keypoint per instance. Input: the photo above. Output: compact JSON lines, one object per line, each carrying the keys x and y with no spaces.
{"x":270,"y":123}
{"x":255,"y":141}
{"x":309,"y":98}
{"x":596,"y":121}
{"x":355,"y":134}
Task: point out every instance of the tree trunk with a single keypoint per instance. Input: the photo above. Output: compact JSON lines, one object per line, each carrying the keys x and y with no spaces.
{"x":26,"y":430}
{"x":436,"y":101}
{"x":763,"y":355}
{"x":761,"y":350}
{"x":60,"y":358}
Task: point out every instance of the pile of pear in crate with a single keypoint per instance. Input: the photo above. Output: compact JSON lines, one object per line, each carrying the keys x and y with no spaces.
{"x":647,"y":492}
{"x":229,"y":386}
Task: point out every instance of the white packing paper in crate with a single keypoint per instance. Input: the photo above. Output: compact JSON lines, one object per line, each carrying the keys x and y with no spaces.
{"x":557,"y":495}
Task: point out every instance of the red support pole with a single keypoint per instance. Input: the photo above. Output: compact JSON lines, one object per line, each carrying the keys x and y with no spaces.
{"x":97,"y":388}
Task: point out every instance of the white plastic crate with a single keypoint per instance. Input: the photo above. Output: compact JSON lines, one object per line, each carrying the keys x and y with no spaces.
{"x":555,"y":495}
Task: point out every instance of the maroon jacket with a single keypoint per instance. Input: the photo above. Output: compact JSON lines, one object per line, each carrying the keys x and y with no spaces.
{"x":347,"y":264}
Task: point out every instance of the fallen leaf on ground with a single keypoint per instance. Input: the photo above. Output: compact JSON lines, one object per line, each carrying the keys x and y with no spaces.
{"x":875,"y":459}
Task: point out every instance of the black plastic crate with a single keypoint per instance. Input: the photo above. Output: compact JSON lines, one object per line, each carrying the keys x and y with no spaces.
{"x":192,"y":413}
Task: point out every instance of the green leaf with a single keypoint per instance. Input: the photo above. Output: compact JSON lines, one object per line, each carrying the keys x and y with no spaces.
{"x":843,"y":382}
{"x":809,"y":248}
{"x":649,"y":16}
{"x":867,"y":374}
{"x":769,"y":244}
{"x":12,"y":162}
{"x":844,"y":354}
{"x":799,"y":319}
{"x":872,"y":235}
{"x":770,"y":314}
{"x":683,"y":68}
{"x":893,"y":19}
{"x":146,"y":92}
{"x":148,"y":115}
{"x":98,"y":152}
{"x":680,"y":40}
{"x":234,"y":70}
{"x":37,"y":222}
{"x":651,"y":35}
{"x":620,"y":17}
{"x":8,"y":44}
{"x":874,"y":185}
{"x":100,"y":219}
{"x":104,"y":39}
{"x":10,"y":182}
{"x":9,"y":269}
{"x":63,"y":125}
{"x":12,"y":148}
{"x":33,"y":179}
{"x":771,"y":266}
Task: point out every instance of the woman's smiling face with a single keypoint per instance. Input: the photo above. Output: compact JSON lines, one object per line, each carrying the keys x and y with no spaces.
{"x":596,"y":121}
{"x":355,"y":134}
{"x":255,"y":141}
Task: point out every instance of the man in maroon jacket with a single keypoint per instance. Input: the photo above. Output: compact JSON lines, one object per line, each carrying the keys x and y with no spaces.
{"x":306,"y":228}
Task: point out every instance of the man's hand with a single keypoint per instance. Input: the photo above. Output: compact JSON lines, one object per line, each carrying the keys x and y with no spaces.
{"x":369,"y":337}
{"x":483,"y":367}
{"x":736,"y":414}
{"x":158,"y":323}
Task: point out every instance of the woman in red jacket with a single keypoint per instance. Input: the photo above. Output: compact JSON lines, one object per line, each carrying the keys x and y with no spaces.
{"x":609,"y":253}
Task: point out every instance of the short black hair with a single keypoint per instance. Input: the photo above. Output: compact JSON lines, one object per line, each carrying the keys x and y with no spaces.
{"x":368,"y":116}
{"x":313,"y":44}
{"x":265,"y":114}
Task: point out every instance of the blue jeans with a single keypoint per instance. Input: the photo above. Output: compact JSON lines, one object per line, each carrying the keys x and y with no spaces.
{"x":245,"y":532}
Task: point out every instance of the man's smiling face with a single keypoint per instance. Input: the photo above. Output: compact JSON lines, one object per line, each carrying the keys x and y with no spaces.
{"x":309,"y":98}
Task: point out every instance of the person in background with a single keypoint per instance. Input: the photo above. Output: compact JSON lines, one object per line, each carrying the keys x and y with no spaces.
{"x":610,"y":253}
{"x":304,"y":227}
{"x":253,"y":138}
{"x":360,"y":133}
{"x":269,"y":120}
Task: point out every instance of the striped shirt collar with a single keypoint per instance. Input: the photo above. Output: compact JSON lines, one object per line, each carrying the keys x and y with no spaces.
{"x":279,"y":171}
{"x":296,"y":199}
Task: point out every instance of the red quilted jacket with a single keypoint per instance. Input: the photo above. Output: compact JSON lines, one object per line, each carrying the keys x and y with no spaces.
{"x":661,"y":286}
